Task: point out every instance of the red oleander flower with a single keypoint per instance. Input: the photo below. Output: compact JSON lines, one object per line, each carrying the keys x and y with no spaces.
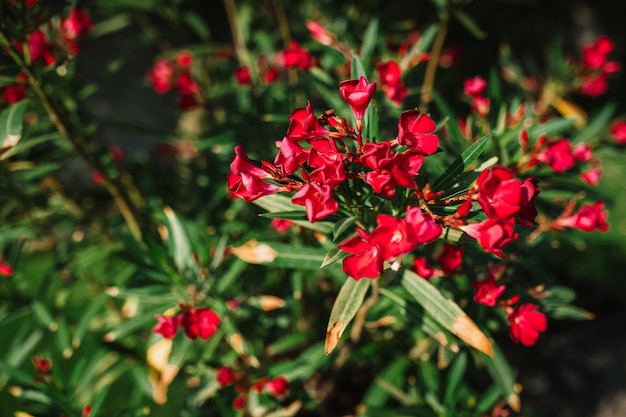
{"x":226,"y":376}
{"x":499,"y":192}
{"x":328,"y":169}
{"x":243,"y":76}
{"x":245,"y":179}
{"x":166,"y":326}
{"x":87,"y":410}
{"x":43,"y":366}
{"x":417,"y":131}
{"x":317,"y":199}
{"x":594,"y":54}
{"x":281,"y":225}
{"x":290,"y":157}
{"x":358,"y":94}
{"x":451,"y":258}
{"x":487,"y":292}
{"x":618,"y":132}
{"x":592,"y":176}
{"x":480,"y":105}
{"x":421,"y":268}
{"x":295,"y":56}
{"x":558,"y":156}
{"x":199,"y":322}
{"x":389,"y":73}
{"x":390,"y":170}
{"x":40,"y":48}
{"x":277,"y":387}
{"x":76,"y":24}
{"x":395,"y":92}
{"x":161,"y":75}
{"x":239,"y":402}
{"x":582,"y":152}
{"x":303,"y":125}
{"x":474,"y":86}
{"x":15,"y":92}
{"x":319,"y":33}
{"x":492,"y":234}
{"x":594,"y":85}
{"x":528,"y":212}
{"x":526,"y":324}
{"x":6,"y":270}
{"x":588,"y":218}
{"x":366,"y":259}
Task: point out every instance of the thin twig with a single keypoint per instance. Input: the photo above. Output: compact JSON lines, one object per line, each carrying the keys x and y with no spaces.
{"x":433,"y":64}
{"x":57,"y":116}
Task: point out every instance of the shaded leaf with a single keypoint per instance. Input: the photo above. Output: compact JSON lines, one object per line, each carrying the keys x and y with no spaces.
{"x":347,"y":303}
{"x":460,"y":164}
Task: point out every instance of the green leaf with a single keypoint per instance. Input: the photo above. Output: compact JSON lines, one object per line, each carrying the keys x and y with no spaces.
{"x":43,"y":315}
{"x":197,"y":24}
{"x":376,"y":396}
{"x":347,"y":303}
{"x":488,"y":399}
{"x":86,"y":318}
{"x":280,"y":255}
{"x":11,"y":124}
{"x":342,"y":225}
{"x":287,"y":215}
{"x":597,"y":126}
{"x":445,"y":311}
{"x":369,"y":40}
{"x":468,"y":23}
{"x":502,"y":374}
{"x":358,"y":69}
{"x":551,"y":128}
{"x":281,"y":203}
{"x":28,"y":143}
{"x":332,"y":256}
{"x":460,"y":164}
{"x":454,"y":379}
{"x":180,"y":247}
{"x":458,"y":140}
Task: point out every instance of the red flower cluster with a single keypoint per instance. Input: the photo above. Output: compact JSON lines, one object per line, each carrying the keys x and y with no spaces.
{"x":474,"y":88}
{"x":504,"y":199}
{"x":526,"y":324}
{"x":618,"y":132}
{"x":596,"y":67}
{"x":196,"y":322}
{"x":560,"y":156}
{"x":167,"y":74}
{"x":276,"y":387}
{"x":389,"y":75}
{"x":268,"y":68}
{"x":449,"y":261}
{"x":44,"y":47}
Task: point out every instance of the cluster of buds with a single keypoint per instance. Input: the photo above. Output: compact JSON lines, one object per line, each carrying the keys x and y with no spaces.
{"x":196,"y":322}
{"x":294,"y":57}
{"x":560,"y":156}
{"x":595,"y":67}
{"x":46,"y":45}
{"x":474,"y":88}
{"x":277,"y":387}
{"x":176,"y":74}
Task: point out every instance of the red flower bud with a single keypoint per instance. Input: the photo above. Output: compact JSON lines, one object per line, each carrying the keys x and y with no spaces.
{"x":358,"y":94}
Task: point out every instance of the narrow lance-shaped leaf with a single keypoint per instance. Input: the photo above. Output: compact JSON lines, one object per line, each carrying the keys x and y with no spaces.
{"x":501,"y":372}
{"x":11,"y":124}
{"x":446,"y":312}
{"x":180,"y":246}
{"x":348,"y":302}
{"x":280,"y":255}
{"x":460,"y":164}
